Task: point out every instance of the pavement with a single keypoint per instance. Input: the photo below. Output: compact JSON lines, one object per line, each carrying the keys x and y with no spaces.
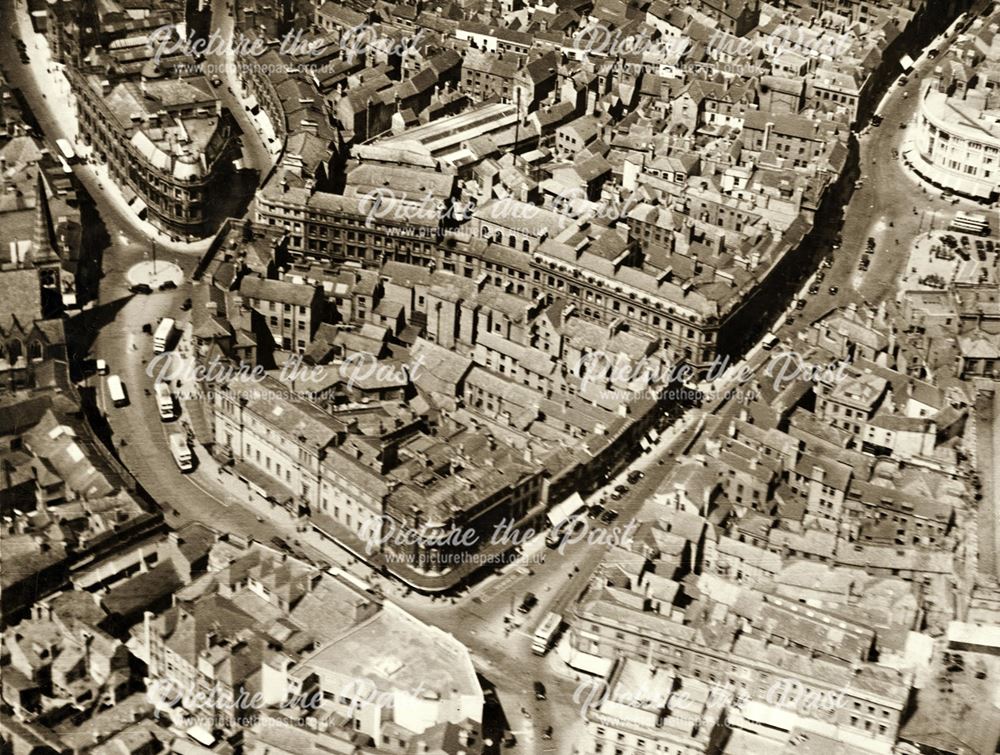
{"x":987,"y":456}
{"x":53,"y":104}
{"x":261,"y":149}
{"x":883,"y":208}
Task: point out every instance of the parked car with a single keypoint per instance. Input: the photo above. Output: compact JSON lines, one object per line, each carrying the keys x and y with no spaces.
{"x":529,"y":602}
{"x":140,"y":288}
{"x":539,"y":691}
{"x":595,"y":511}
{"x":609,"y":516}
{"x":616,"y":496}
{"x":814,"y":289}
{"x":168,"y":286}
{"x":800,"y":304}
{"x":820,"y":276}
{"x":634,"y":476}
{"x":623,"y":489}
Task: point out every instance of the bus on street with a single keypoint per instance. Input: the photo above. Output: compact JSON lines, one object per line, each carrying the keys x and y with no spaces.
{"x":116,"y":391}
{"x":164,"y":333}
{"x":967,"y":222}
{"x":66,"y":149}
{"x":181,"y":451}
{"x":164,"y":401}
{"x":546,"y":633}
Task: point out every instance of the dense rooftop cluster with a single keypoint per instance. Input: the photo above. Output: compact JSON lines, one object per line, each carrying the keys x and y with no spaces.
{"x":499,"y":246}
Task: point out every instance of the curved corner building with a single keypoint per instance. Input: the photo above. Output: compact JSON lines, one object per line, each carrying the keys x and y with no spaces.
{"x":957,"y":142}
{"x":164,"y":140}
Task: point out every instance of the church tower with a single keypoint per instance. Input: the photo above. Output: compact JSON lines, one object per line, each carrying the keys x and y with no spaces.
{"x":44,"y":257}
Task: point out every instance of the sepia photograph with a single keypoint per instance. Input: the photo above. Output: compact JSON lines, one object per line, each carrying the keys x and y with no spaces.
{"x":499,"y":377}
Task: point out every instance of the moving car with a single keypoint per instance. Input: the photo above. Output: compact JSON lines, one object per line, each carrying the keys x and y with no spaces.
{"x":529,"y":602}
{"x":186,"y":304}
{"x":95,"y":366}
{"x":539,"y":691}
{"x":833,"y":290}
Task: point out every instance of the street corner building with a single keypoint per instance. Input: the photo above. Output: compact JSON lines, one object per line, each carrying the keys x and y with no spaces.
{"x":166,"y":142}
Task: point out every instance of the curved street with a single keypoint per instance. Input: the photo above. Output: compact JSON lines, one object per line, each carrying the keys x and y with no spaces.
{"x":883,"y":208}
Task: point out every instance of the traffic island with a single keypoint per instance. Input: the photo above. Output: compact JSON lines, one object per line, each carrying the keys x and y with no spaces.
{"x":154,"y":274}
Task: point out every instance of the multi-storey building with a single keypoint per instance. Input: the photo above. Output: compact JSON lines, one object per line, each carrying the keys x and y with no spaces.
{"x":451,"y":499}
{"x":284,"y":438}
{"x":330,"y":227}
{"x":874,"y":697}
{"x":957,"y":143}
{"x":852,"y":402}
{"x":166,"y":143}
{"x":289,"y":312}
{"x":737,"y":17}
{"x":646,"y":708}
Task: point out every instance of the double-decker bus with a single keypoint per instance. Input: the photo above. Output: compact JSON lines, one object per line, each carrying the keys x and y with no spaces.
{"x":116,"y":391}
{"x":546,"y":633}
{"x":181,"y":451}
{"x":164,"y":332}
{"x":967,"y":222}
{"x":164,"y":401}
{"x":66,"y":149}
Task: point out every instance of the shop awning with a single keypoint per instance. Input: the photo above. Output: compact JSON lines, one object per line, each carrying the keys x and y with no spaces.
{"x":564,"y":510}
{"x":947,"y":179}
{"x":591,"y":664}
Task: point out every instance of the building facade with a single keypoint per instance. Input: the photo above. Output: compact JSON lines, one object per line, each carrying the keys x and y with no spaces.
{"x":165,"y":142}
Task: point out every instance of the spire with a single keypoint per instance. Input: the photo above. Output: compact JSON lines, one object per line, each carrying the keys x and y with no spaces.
{"x":42,"y":250}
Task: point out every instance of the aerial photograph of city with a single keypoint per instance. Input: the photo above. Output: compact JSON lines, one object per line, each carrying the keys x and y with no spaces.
{"x":500,"y":377}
